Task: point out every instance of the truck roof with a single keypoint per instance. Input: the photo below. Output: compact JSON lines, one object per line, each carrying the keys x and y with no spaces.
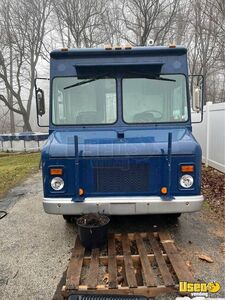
{"x":103,"y":52}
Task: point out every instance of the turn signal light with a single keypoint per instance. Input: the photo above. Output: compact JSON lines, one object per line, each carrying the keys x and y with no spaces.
{"x":56,"y":171}
{"x":187,"y":168}
{"x":164,"y":190}
{"x":81,"y":191}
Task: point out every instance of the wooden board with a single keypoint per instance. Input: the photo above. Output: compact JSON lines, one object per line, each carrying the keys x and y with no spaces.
{"x":179,"y":266}
{"x":112,"y":264}
{"x":75,"y":265}
{"x":136,"y":254}
{"x":129,"y":267}
{"x":146,"y":266}
{"x":167,"y":278}
{"x":92,"y":280}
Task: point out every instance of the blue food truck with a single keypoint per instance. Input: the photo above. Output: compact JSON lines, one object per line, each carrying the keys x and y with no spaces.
{"x":120,"y":132}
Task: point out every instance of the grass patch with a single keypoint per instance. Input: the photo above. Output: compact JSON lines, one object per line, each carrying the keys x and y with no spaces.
{"x":14,"y":168}
{"x":206,"y":205}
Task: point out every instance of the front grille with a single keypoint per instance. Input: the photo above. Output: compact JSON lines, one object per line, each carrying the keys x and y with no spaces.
{"x":121,"y":178}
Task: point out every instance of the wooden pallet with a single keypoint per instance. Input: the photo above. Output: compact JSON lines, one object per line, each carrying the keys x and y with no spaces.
{"x":146,"y":264}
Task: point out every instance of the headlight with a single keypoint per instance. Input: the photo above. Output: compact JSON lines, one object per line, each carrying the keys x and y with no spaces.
{"x":186,"y":181}
{"x":57,"y":183}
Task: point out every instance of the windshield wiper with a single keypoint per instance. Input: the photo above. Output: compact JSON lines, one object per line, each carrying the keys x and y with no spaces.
{"x":152,"y":76}
{"x":84,"y":82}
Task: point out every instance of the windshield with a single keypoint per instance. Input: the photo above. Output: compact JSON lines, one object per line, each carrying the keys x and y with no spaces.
{"x":147,"y":100}
{"x":76,"y":103}
{"x":152,"y":99}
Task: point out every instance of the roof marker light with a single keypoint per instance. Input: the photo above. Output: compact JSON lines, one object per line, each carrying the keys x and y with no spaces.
{"x":118,"y":47}
{"x":127,"y":47}
{"x":108,"y":47}
{"x":64,"y":49}
{"x":173,"y":45}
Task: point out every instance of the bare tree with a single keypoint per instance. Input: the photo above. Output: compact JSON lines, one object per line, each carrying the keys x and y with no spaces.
{"x":145,"y":19}
{"x":30,"y":28}
{"x":113,"y":23}
{"x":23,"y":24}
{"x":4,"y":120}
{"x":215,"y":12}
{"x":217,"y":16}
{"x":80,"y":22}
{"x":182,"y":33}
{"x":203,"y":54}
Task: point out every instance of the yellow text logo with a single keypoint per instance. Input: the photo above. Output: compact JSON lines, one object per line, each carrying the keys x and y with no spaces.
{"x":198,"y":287}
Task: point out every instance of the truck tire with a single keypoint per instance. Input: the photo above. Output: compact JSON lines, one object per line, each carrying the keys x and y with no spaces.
{"x":176,"y":215}
{"x":69,"y":218}
{"x":173,"y":217}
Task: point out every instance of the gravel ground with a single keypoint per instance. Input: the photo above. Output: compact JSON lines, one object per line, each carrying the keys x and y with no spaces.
{"x":35,"y":247}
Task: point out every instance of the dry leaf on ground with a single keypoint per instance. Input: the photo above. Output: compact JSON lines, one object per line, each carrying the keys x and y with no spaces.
{"x":205,"y":258}
{"x":222,"y":247}
{"x":188,"y":263}
{"x":213,"y":188}
{"x":106,"y":278}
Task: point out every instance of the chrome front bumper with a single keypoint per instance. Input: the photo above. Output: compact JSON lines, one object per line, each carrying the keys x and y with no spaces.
{"x":123,"y":205}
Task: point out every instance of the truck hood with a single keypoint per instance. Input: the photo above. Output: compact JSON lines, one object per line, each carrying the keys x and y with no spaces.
{"x":135,"y":142}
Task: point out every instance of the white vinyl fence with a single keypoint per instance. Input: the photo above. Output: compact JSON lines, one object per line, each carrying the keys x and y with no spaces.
{"x":211,"y":135}
{"x":22,"y":142}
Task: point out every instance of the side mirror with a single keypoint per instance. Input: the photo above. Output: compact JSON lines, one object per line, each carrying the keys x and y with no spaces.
{"x":196,"y":96}
{"x":40,"y":99}
{"x":196,"y":88}
{"x":196,"y":84}
{"x":42,"y":108}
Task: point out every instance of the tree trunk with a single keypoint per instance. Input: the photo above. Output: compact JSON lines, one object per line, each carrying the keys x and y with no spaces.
{"x":26,"y":126}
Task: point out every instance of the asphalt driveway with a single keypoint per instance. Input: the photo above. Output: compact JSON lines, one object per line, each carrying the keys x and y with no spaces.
{"x":35,"y":247}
